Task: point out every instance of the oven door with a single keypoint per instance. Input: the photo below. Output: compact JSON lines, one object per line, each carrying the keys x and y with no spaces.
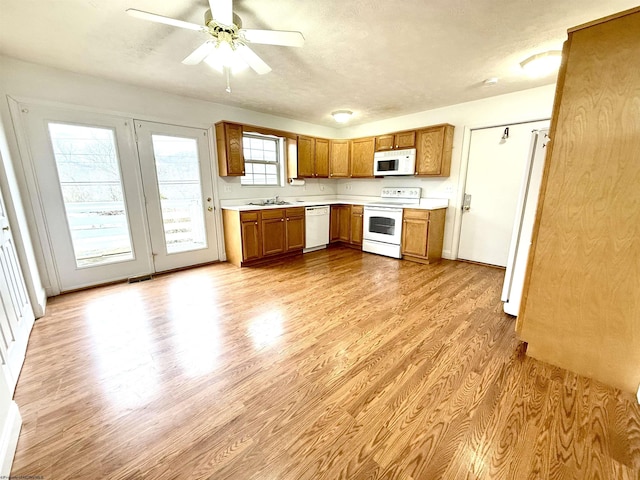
{"x":383,"y":224}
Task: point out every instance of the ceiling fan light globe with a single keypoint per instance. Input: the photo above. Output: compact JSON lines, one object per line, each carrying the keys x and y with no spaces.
{"x":223,"y":56}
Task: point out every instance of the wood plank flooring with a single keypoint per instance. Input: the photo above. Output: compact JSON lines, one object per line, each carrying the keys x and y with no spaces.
{"x":333,"y":365}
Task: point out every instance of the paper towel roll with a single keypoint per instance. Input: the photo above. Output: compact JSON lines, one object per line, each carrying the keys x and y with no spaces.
{"x":296,"y":182}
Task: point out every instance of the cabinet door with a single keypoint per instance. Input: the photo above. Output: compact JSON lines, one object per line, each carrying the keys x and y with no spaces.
{"x":322,"y":158}
{"x":356,"y":224}
{"x":345,"y":223}
{"x":339,"y":158}
{"x":250,"y":240}
{"x":362,"y":151}
{"x":295,"y":233}
{"x":273,"y":231}
{"x":405,"y":139}
{"x":335,"y":224}
{"x":414,"y":236}
{"x":433,"y":156}
{"x":306,"y":154}
{"x":229,"y":147}
{"x":385,"y":142}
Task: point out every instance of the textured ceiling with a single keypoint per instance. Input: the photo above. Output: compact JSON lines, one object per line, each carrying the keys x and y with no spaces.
{"x":379,"y":58}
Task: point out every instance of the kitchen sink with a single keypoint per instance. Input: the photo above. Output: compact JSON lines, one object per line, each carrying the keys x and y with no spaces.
{"x":265,"y":203}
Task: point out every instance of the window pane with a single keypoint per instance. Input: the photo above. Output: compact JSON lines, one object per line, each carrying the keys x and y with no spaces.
{"x":178,"y":171}
{"x":89,"y":173}
{"x":257,"y":151}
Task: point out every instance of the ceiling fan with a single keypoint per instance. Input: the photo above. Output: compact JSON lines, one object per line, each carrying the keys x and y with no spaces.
{"x":227,"y":49}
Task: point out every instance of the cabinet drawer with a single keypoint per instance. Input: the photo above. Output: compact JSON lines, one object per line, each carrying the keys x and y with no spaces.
{"x":272,"y":213}
{"x":249,"y":216}
{"x":357,"y":209}
{"x":415,"y":213}
{"x":295,"y":212}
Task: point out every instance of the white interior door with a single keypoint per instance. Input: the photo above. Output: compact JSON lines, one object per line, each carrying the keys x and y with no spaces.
{"x":90,"y":190}
{"x":176,"y":173}
{"x":16,"y":314}
{"x":494,"y":174}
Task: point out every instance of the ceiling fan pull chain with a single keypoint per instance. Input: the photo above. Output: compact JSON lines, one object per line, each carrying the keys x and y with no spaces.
{"x":227,"y":71}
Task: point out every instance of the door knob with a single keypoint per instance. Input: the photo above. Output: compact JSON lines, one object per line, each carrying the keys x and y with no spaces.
{"x":210,"y":209}
{"x":209,"y":199}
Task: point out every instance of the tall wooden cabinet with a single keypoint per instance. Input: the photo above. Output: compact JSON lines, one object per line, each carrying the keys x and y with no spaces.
{"x":580,"y":308}
{"x":229,"y":149}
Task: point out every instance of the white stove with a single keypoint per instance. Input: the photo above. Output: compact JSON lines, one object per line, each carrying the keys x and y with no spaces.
{"x":383,"y":220}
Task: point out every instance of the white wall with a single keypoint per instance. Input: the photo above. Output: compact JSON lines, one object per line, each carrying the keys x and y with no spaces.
{"x":533,"y":104}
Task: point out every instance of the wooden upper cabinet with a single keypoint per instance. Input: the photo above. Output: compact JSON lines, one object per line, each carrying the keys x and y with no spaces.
{"x":385,"y":142}
{"x":339,"y":158}
{"x":322,"y":158}
{"x":306,"y":156}
{"x":399,"y":140}
{"x":433,"y":151}
{"x":229,"y":149}
{"x":362,"y":150}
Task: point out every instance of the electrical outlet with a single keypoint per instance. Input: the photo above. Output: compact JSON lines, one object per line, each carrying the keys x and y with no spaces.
{"x":448,"y":189}
{"x":322,"y":188}
{"x":227,"y":189}
{"x":347,"y":186}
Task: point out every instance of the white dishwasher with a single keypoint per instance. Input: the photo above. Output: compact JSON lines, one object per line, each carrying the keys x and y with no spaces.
{"x":316,"y":220}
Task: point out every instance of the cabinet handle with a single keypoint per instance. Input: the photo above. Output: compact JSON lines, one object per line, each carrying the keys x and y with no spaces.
{"x":256,"y":223}
{"x":282,"y":219}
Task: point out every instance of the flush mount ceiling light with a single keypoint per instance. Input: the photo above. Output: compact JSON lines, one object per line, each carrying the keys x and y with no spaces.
{"x":542,"y":64}
{"x":342,"y":116}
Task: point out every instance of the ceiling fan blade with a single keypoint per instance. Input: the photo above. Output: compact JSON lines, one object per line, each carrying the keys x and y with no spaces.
{"x":166,"y":20}
{"x":222,"y":11}
{"x":253,"y":60}
{"x":274,"y":37}
{"x":200,"y":53}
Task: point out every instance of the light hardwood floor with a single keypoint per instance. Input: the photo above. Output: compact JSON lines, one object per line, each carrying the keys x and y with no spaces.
{"x":334,"y":365}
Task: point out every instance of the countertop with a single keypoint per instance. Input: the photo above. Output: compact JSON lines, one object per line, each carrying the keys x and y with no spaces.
{"x":425,"y":204}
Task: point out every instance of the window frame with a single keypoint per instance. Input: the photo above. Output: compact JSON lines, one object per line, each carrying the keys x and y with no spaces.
{"x":279,"y":162}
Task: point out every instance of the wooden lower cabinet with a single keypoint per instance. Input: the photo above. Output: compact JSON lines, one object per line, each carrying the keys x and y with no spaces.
{"x":357,"y":212}
{"x":273,"y":232}
{"x":346,"y":225}
{"x":259,"y":235}
{"x":422,"y":234}
{"x":250,"y":232}
{"x":294,"y":218}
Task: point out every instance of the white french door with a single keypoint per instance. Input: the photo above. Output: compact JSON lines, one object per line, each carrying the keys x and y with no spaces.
{"x":176,"y":174}
{"x":112,"y":212}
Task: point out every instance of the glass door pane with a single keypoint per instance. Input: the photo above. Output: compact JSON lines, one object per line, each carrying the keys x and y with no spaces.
{"x":178,"y":172}
{"x":89,"y":175}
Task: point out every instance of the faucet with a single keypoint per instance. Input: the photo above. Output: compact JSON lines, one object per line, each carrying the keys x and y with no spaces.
{"x":276,"y":200}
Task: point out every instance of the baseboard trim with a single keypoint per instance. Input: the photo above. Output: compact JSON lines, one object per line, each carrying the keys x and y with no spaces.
{"x":9,"y":439}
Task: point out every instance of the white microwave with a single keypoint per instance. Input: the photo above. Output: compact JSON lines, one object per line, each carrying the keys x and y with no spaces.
{"x":394,"y":162}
